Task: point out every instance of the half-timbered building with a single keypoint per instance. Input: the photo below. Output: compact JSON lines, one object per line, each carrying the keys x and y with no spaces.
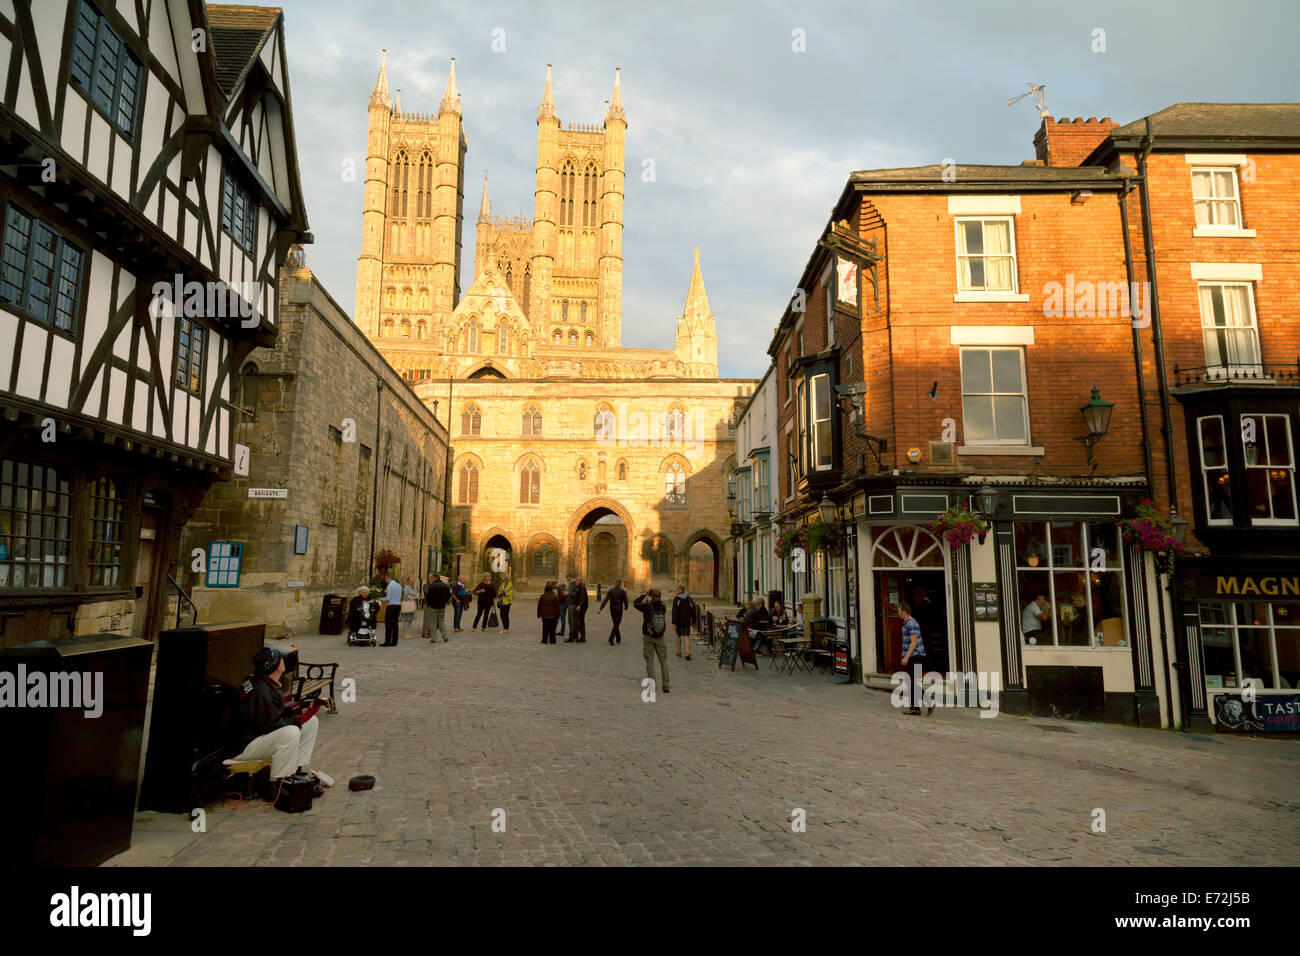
{"x":150,"y":192}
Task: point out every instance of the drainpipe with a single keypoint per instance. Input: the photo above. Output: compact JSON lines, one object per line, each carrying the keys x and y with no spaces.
{"x":1166,"y":429}
{"x":374,"y":494}
{"x":1137,"y":335}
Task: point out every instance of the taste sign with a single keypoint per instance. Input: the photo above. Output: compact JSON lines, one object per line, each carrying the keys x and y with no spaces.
{"x":1279,"y":713}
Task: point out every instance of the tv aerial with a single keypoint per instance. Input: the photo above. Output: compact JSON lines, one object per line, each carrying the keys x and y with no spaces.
{"x":1039,"y":93}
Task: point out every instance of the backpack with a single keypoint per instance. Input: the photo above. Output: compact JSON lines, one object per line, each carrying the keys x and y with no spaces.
{"x":657,"y":624}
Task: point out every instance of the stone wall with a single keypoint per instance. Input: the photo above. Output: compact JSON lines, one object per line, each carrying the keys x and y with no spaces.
{"x":327,"y":412}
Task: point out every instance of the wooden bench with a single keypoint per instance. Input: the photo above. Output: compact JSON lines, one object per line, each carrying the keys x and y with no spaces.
{"x":317,"y":683}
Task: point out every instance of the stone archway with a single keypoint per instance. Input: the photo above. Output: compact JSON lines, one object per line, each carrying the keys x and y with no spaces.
{"x":599,"y":538}
{"x":702,"y":567}
{"x":492,"y":542}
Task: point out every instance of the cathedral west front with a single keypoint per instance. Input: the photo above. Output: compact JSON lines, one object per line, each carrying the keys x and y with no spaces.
{"x":569,"y":452}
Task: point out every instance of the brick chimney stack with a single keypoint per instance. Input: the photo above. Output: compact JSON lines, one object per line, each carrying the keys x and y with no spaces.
{"x":1068,"y":142}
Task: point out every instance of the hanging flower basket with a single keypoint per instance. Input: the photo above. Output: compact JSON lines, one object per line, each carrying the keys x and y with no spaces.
{"x":957,"y":526}
{"x":789,"y":539}
{"x":385,"y":559}
{"x":1149,"y":530}
{"x":825,"y":536}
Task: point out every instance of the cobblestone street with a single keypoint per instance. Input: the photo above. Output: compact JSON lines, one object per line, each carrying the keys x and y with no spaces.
{"x":586,"y":773}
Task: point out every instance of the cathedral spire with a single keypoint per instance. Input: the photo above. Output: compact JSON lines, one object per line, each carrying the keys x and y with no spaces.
{"x":485,"y":207}
{"x":379,"y":96}
{"x":547,"y":108}
{"x":615,"y":109}
{"x":450,"y":96}
{"x":397,"y":102}
{"x":697,"y":300}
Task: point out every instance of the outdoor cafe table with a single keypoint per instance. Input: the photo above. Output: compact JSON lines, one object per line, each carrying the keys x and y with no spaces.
{"x":792,"y":656}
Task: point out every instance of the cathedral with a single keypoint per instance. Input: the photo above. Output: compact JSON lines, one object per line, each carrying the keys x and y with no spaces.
{"x":570,"y":453}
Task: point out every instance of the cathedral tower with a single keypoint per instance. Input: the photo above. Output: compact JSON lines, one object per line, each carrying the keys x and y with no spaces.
{"x":697,"y":337}
{"x":408,"y":272}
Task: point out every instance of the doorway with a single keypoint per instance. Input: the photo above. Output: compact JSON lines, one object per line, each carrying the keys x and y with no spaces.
{"x":908,"y":565}
{"x":150,"y":569}
{"x":602,"y":561}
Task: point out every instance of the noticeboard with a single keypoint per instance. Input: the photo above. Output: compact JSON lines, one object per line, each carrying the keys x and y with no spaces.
{"x":986,"y":601}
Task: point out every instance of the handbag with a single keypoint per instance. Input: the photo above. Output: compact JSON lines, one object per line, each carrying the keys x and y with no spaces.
{"x":492,"y":617}
{"x":408,"y":606}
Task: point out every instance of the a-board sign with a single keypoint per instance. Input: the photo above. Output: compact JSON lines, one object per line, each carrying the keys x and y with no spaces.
{"x":735,"y":643}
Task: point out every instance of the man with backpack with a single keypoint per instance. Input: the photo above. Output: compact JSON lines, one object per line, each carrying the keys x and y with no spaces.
{"x":654,"y":621}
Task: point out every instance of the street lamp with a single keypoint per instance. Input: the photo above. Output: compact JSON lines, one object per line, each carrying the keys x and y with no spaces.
{"x":1179,"y":526}
{"x":988,"y":502}
{"x":1096,"y":415}
{"x":826,"y":508}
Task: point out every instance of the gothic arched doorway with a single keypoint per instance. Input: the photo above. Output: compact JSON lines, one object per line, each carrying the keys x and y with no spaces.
{"x":702,"y":569}
{"x":497,"y":556}
{"x":600,"y":545}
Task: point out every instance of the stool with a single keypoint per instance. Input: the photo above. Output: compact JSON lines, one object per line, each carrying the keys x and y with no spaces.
{"x":256,"y":774}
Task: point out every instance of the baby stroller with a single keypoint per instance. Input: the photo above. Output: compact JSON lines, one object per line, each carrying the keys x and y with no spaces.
{"x":362,"y":615}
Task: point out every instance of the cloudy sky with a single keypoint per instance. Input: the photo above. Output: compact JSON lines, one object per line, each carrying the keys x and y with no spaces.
{"x":752,"y":139}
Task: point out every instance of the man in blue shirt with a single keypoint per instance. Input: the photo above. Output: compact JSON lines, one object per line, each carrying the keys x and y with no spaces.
{"x":913,"y":662}
{"x":393,"y":610}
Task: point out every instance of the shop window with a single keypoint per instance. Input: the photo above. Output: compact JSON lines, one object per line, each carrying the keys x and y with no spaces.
{"x":995,"y":406}
{"x":35,"y":517}
{"x":986,"y":255}
{"x":1270,"y":469}
{"x":1251,"y":643}
{"x":104,"y":560}
{"x":1070,"y":584}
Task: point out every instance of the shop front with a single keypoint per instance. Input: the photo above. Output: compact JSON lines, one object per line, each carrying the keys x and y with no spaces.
{"x":1240,"y":617}
{"x":1052,"y":601}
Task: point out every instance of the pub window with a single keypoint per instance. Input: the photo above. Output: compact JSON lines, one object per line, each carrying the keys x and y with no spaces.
{"x":1251,"y":643}
{"x":471,"y":422}
{"x":530,"y":485}
{"x":105,"y":559}
{"x":41,"y":272}
{"x":1070,"y":583}
{"x":35,"y":518}
{"x":995,"y":407}
{"x":1215,"y":482}
{"x":238,"y":214}
{"x":1270,"y":469}
{"x":190,"y":348}
{"x":104,"y":68}
{"x":1214,"y":197}
{"x":986,"y":255}
{"x":468,"y":484}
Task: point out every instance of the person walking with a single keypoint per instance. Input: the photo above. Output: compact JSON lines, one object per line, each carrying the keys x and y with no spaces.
{"x":913,"y":662}
{"x":486,"y":594}
{"x":459,"y":601}
{"x":561,"y":599}
{"x":616,"y":598}
{"x":653,"y":642}
{"x":548,"y":609}
{"x":409,"y":595}
{"x":392,"y":609}
{"x":506,"y":597}
{"x":580,"y":600}
{"x":683,"y":611}
{"x":436,"y":596}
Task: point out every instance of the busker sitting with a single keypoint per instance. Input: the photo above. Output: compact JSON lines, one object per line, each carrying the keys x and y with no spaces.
{"x":269,"y":728}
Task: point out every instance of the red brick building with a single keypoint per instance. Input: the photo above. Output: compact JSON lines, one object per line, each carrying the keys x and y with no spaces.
{"x":1211,"y":213}
{"x":974,"y":310}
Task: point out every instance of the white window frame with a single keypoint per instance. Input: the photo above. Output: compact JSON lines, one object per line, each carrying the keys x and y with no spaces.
{"x":1024,"y":397}
{"x":828,"y":296}
{"x":815,"y":450}
{"x":1205,"y":477}
{"x":1253,"y":327}
{"x":1011,"y":241}
{"x":1235,"y":198}
{"x":791,"y":463}
{"x":1262,"y":440}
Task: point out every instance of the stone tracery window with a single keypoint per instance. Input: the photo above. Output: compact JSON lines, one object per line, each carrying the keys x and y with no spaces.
{"x":470,"y":421}
{"x":532,"y":421}
{"x":469,"y":484}
{"x":675,"y":485}
{"x":530,"y":484}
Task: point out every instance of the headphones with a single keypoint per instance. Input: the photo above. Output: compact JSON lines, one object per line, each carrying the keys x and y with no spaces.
{"x":266,"y":660}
